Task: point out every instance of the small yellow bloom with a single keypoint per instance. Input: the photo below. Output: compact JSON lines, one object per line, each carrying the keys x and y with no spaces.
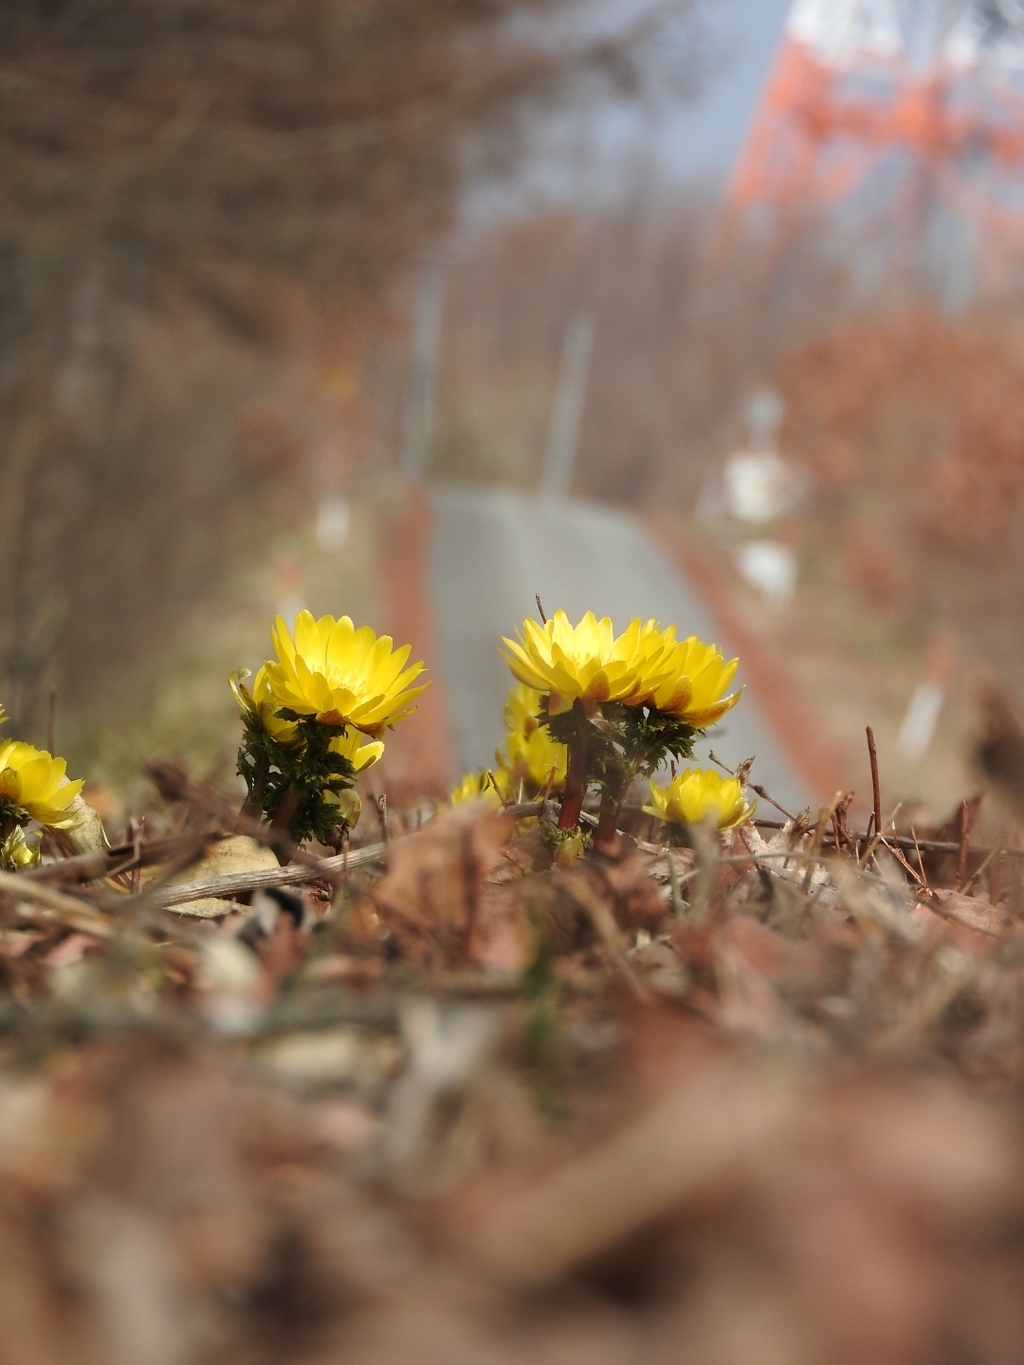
{"x":522,"y":706}
{"x":698,"y":794}
{"x":536,"y":759}
{"x":530,"y":754}
{"x":347,"y":806}
{"x":569,"y":849}
{"x":16,"y":852}
{"x":698,"y":675}
{"x":360,"y":754}
{"x":341,"y":675}
{"x":261,"y":705}
{"x":485,"y":786}
{"x":588,"y":661}
{"x":34,"y":781}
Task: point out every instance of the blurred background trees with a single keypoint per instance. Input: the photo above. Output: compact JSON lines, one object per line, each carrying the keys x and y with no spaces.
{"x":212,"y":216}
{"x":682,"y":333}
{"x":205,"y":210}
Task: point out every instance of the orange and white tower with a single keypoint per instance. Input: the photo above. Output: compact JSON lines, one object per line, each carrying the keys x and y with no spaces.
{"x":936,"y":86}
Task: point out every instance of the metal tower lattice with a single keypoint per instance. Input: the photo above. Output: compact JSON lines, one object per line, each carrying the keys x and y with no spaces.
{"x":937,"y":85}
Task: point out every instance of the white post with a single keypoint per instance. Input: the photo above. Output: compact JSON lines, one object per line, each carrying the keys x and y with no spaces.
{"x":568,"y":408}
{"x":423,"y":369}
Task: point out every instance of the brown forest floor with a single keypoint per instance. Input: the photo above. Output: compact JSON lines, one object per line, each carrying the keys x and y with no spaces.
{"x":754,"y":1101}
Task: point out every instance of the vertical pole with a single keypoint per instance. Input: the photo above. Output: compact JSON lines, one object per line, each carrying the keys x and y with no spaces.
{"x":564,"y":431}
{"x":421,"y":392}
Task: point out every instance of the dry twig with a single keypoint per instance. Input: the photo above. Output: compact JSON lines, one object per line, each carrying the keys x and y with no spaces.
{"x":876,"y":792}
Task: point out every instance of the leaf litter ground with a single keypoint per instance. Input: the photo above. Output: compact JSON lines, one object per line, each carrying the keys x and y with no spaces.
{"x":439,"y":1100}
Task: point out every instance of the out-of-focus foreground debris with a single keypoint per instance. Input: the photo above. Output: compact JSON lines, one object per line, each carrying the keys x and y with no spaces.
{"x":749,"y":1101}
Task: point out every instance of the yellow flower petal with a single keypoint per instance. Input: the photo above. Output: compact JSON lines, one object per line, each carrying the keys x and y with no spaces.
{"x":352,"y":746}
{"x":695,"y":795}
{"x":35,"y":782}
{"x":531,"y":758}
{"x":485,"y":786}
{"x":340,"y":674}
{"x":585,"y":661}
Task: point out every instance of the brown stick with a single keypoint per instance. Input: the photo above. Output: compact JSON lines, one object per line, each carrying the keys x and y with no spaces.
{"x":67,"y":909}
{"x":964,"y":846}
{"x":824,"y":815}
{"x":878,"y":837}
{"x":982,"y":869}
{"x":764,"y":795}
{"x":876,"y":792}
{"x":88,"y":867}
{"x":836,"y":839}
{"x":328,"y":870}
{"x":917,"y":850}
{"x":905,"y":842}
{"x":900,"y":857}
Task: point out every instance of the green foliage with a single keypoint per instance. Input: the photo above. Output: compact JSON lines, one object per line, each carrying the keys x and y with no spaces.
{"x":566,"y":846}
{"x":305,"y":780}
{"x":12,"y":817}
{"x":623,"y":742}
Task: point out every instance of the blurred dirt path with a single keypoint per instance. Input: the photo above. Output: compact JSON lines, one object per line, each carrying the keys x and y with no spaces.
{"x":491,"y":550}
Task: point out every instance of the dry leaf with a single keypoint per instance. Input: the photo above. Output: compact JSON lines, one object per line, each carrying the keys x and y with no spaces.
{"x":430,"y":900}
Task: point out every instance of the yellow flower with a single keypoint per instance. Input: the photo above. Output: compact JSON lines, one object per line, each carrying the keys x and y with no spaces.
{"x":17,"y":852}
{"x":521,"y":707}
{"x":341,"y":675}
{"x":34,"y":781}
{"x":588,"y":661}
{"x":536,"y":759}
{"x":485,"y":786}
{"x":261,"y":704}
{"x":698,"y":677}
{"x":351,"y":746}
{"x":695,"y":794}
{"x":530,"y":755}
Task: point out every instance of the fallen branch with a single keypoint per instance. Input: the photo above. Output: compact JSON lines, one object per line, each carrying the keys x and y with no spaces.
{"x":903,"y":841}
{"x":68,"y":910}
{"x":109,"y":862}
{"x":318,"y":869}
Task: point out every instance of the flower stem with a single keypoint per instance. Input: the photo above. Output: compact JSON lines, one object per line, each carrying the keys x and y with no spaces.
{"x":607,"y":823}
{"x":285,"y":814}
{"x":575,"y":781}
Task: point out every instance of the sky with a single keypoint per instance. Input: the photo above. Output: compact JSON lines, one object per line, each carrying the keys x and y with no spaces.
{"x":702,"y":139}
{"x":588,"y":154}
